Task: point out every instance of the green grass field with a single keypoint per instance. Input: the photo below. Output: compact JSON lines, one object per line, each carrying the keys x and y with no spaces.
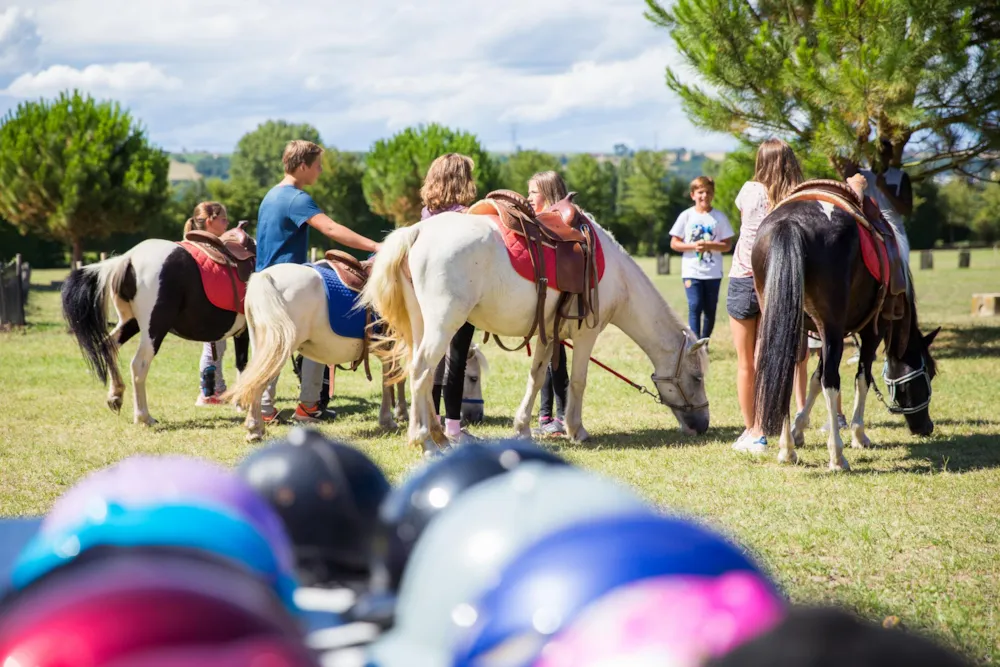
{"x":913,"y":531}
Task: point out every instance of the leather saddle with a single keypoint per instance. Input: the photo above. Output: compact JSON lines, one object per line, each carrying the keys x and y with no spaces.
{"x":354,"y":274}
{"x":892,"y":303}
{"x":564,"y":228}
{"x":235,"y":248}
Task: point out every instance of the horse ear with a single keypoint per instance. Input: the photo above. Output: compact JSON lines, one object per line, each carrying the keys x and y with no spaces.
{"x":698,"y":345}
{"x":929,"y":338}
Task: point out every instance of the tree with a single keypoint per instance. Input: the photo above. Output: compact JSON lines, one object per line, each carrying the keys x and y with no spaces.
{"x":594,"y":182}
{"x":652,"y":200}
{"x":923,"y":227}
{"x":76,"y":170}
{"x":258,"y":154}
{"x":395,"y":168}
{"x":828,"y":76}
{"x":522,"y":165}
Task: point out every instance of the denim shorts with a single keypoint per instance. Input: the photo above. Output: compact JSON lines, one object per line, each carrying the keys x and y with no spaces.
{"x":741,"y":301}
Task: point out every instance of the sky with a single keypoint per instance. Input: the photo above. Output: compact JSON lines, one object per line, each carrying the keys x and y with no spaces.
{"x":553,"y":75}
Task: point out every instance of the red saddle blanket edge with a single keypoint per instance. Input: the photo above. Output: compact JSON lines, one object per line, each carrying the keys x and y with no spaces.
{"x":215,"y":279}
{"x":517,"y":250}
{"x":874,"y":254}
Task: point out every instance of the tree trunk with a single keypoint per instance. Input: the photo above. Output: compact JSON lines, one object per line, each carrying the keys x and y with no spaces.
{"x":77,"y":251}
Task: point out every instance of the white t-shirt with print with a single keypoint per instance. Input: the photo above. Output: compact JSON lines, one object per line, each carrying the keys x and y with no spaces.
{"x":754,"y":206}
{"x":692,"y":226}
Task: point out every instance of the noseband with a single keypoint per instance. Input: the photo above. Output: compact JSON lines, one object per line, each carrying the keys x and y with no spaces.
{"x":672,"y":380}
{"x":892,"y":386}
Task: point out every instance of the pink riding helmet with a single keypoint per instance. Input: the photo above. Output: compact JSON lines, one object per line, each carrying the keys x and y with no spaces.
{"x":672,"y":621}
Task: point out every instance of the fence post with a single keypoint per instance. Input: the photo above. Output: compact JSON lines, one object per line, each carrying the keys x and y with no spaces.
{"x":926,"y":259}
{"x":963,"y":259}
{"x":18,"y":316}
{"x":312,"y":255}
{"x":104,"y":256}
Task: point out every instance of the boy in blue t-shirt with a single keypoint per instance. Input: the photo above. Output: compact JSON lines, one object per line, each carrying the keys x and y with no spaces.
{"x":702,"y":233}
{"x":283,"y":221}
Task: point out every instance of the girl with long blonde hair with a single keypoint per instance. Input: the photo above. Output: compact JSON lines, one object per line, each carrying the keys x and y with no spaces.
{"x":776,"y":172}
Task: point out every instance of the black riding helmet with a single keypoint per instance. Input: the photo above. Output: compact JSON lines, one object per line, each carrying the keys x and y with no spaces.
{"x":408,"y":510}
{"x":327,"y":494}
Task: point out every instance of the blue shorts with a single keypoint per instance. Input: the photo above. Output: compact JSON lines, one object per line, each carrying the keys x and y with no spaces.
{"x":741,"y":300}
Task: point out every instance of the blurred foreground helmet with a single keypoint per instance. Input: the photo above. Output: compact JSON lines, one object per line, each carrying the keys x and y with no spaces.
{"x":464,"y":550}
{"x":327,"y":495}
{"x":545,"y":588}
{"x":431,"y":490}
{"x":111,"y":605}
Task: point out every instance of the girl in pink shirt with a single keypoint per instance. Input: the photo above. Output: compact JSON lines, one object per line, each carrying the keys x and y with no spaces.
{"x":776,"y":172}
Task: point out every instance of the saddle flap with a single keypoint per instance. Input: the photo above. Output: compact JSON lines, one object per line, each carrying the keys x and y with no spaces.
{"x":571,"y":267}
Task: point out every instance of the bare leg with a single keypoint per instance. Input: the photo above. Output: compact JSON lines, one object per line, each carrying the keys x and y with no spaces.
{"x":539,"y":366}
{"x":745,"y":341}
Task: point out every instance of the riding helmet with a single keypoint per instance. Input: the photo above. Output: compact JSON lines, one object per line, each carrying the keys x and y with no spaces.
{"x":328,"y":495}
{"x":406,"y":512}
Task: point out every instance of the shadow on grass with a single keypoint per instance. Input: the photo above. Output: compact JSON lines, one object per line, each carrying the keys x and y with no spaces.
{"x":653,"y":438}
{"x":195,"y":423}
{"x":982,"y":340}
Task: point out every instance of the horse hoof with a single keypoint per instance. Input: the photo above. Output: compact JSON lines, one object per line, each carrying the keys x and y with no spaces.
{"x":145,"y":421}
{"x":788,"y":456}
{"x":255,"y":437}
{"x":861,"y":443}
{"x":798,"y":438}
{"x":115,"y":403}
{"x":580,"y":436}
{"x":389,"y":426}
{"x":841,"y":466}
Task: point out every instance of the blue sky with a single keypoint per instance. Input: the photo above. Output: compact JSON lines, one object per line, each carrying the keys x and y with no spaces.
{"x":564,"y":75}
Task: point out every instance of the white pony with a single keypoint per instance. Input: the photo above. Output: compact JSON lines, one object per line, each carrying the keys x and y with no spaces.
{"x":286,"y":312}
{"x":430,"y":278}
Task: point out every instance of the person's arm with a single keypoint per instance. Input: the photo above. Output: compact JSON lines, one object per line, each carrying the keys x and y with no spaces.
{"x":904,"y":202}
{"x":725,"y":245}
{"x":677,"y":244}
{"x":322,"y":223}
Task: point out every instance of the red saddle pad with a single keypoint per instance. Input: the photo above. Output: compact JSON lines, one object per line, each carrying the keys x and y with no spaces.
{"x":520,"y":259}
{"x":215,"y":278}
{"x":874,"y":255}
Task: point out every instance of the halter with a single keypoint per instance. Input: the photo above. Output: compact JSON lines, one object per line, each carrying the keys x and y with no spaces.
{"x":687,"y":406}
{"x":893,"y":405}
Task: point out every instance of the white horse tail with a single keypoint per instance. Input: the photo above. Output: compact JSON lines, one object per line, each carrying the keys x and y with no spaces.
{"x":85,"y":297}
{"x":385,"y":294}
{"x":272,"y":334}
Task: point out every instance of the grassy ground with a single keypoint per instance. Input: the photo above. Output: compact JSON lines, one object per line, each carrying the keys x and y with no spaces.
{"x":913,"y":531}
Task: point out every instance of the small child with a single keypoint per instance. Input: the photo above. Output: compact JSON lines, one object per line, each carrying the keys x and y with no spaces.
{"x":210,"y":216}
{"x":702,"y":233}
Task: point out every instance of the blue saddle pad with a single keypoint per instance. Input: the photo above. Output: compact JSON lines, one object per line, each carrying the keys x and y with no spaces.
{"x":341,"y":301}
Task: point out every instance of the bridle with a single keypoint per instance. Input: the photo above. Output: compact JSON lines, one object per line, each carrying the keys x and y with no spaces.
{"x":672,"y":380}
{"x":892,"y":386}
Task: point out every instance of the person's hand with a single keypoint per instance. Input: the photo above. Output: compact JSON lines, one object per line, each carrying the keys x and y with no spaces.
{"x":858,"y":184}
{"x":699,"y":246}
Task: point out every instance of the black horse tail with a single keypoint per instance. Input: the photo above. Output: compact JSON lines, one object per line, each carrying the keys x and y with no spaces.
{"x":780,"y":330}
{"x":85,"y":308}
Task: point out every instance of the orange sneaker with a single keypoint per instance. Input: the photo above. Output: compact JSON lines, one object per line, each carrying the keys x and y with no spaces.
{"x":309,"y":415}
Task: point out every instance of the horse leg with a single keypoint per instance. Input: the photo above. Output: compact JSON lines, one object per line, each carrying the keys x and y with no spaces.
{"x":539,"y":363}
{"x":833,"y":350}
{"x":862,"y":380}
{"x":140,"y":370}
{"x":241,"y":348}
{"x":786,"y":444}
{"x":126,"y":328}
{"x":425,"y":430}
{"x":583,"y":346}
{"x":385,"y":420}
{"x":401,"y":411}
{"x":802,"y":418}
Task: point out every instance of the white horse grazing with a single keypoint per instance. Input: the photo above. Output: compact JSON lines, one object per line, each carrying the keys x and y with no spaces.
{"x":286,"y":312}
{"x":430,"y":278}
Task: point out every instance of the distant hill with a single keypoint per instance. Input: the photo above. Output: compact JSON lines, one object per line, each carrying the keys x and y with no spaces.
{"x":208,"y":165}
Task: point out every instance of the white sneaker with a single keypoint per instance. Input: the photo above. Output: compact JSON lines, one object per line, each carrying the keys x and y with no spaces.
{"x":743,"y":436}
{"x":751,"y":445}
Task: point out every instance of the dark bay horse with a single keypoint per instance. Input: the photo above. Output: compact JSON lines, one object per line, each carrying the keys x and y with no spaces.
{"x":809,"y":271}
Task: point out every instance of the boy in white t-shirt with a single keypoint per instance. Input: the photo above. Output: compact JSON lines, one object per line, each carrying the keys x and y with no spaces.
{"x":702,"y":233}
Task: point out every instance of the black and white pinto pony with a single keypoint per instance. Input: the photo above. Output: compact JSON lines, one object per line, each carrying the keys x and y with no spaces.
{"x":156,"y":289}
{"x":808,"y":269}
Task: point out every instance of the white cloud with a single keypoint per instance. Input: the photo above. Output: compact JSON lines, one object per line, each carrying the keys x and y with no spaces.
{"x":18,"y":40}
{"x":571,"y":74}
{"x":119,"y":78}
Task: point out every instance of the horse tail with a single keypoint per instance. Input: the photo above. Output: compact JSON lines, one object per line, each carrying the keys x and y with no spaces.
{"x":85,"y":296}
{"x":272,"y":336}
{"x":780,"y":329}
{"x":386,"y":294}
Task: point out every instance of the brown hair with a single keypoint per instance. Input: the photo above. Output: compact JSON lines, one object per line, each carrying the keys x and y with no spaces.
{"x":203,"y":212}
{"x":550,"y":185}
{"x":703,"y":183}
{"x":777,"y":169}
{"x":448,"y":182}
{"x":298,"y":153}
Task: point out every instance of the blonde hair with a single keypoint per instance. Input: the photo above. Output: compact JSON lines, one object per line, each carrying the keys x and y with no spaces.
{"x":203,"y":212}
{"x":299,"y":152}
{"x":703,"y":183}
{"x":777,"y":169}
{"x":448,"y":182}
{"x":550,"y":185}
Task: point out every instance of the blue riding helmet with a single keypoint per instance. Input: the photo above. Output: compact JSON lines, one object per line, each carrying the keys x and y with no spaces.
{"x":550,"y":583}
{"x":211,"y":530}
